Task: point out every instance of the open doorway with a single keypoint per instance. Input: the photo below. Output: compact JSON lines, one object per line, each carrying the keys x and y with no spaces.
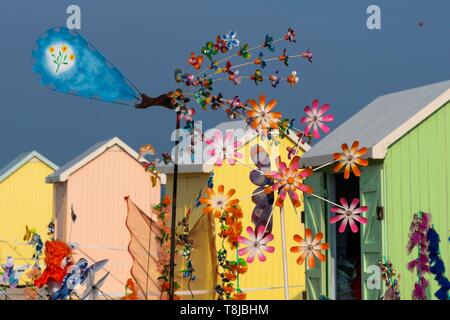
{"x":348,"y":246}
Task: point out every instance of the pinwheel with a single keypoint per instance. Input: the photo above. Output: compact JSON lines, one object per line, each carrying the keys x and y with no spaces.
{"x":223,"y":148}
{"x":195,"y":61}
{"x":261,"y":117}
{"x":274,"y":79}
{"x":284,"y":58}
{"x":289,"y":180}
{"x":257,"y":76}
{"x":243,"y":52}
{"x":220,"y":45}
{"x":310,"y":248}
{"x":220,"y":202}
{"x":290,"y":35}
{"x":256,"y":244}
{"x":308,"y":55}
{"x":235,"y":77}
{"x":348,"y":215}
{"x":230,"y":40}
{"x":209,"y":50}
{"x":315,"y":119}
{"x":292,"y":79}
{"x":260,"y":60}
{"x":268,"y":43}
{"x":349,"y":159}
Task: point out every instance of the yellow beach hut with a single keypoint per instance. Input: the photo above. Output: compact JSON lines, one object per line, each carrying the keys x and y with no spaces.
{"x":25,"y":199}
{"x":262,"y":280}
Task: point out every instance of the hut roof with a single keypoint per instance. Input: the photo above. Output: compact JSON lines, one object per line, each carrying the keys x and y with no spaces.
{"x":63,"y":173}
{"x":22,"y":159}
{"x":382,"y":122}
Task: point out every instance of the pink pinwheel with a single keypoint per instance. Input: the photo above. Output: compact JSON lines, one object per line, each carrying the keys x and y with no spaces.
{"x":349,"y":214}
{"x":222,"y":149}
{"x":315,"y":119}
{"x":289,"y":180}
{"x":256,"y":244}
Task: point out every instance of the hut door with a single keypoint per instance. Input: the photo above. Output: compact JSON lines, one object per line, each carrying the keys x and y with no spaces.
{"x":370,"y":189}
{"x":314,"y":219}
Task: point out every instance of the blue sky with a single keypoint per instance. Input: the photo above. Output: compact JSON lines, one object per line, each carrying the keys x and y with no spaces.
{"x":147,"y":40}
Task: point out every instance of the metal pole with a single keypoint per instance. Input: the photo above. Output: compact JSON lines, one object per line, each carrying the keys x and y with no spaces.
{"x":283,"y":244}
{"x":174,"y":213}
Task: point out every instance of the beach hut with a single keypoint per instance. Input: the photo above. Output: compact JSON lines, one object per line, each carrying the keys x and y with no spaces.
{"x":25,"y":199}
{"x":408,"y":139}
{"x":263,"y":280}
{"x":90,"y":210}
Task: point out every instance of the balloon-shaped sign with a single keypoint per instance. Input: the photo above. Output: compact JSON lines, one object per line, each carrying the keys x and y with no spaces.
{"x":69,"y":64}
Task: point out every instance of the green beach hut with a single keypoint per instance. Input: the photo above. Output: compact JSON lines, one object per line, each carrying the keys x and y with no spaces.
{"x":407,"y":134}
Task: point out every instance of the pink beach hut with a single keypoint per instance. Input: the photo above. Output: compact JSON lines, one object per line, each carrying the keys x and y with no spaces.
{"x":90,"y":210}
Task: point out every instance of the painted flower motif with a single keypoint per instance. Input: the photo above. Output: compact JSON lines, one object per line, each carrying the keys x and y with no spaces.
{"x":350,"y":159}
{"x":315,"y":119}
{"x":230,"y":40}
{"x":292,"y":79}
{"x":310,"y":248}
{"x":220,"y":202}
{"x":62,"y":58}
{"x":348,"y":215}
{"x":223,"y":149}
{"x":256,"y":244}
{"x":261,"y":118}
{"x":289,"y":180}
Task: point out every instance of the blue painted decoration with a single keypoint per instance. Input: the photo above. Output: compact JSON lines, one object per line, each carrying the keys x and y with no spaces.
{"x":69,"y":64}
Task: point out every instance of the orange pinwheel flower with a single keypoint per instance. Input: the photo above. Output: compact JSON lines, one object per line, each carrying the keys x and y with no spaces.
{"x":220,"y":202}
{"x":309,"y":248}
{"x":261,"y":117}
{"x":350,"y":159}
